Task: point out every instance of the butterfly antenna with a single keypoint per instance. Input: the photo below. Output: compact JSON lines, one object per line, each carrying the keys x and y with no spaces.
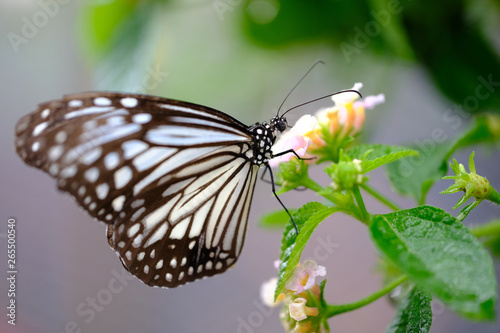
{"x":319,"y":61}
{"x":320,"y":98}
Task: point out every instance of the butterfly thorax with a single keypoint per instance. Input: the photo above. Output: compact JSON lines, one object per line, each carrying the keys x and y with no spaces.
{"x":264,"y":138}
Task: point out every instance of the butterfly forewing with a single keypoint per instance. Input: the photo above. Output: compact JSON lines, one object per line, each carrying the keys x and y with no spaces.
{"x":173,"y":180}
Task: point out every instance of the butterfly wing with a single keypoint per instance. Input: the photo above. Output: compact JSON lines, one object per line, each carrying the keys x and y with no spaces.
{"x":173,"y":180}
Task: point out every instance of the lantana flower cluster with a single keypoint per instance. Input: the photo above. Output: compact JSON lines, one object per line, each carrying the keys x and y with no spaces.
{"x":302,"y":311}
{"x":322,"y":135}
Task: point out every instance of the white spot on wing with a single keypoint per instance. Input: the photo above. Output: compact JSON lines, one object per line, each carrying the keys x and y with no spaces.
{"x":160,"y":213}
{"x":159,"y":264}
{"x":111,"y":160}
{"x":159,"y":234}
{"x":86,"y":111}
{"x":45,"y":113}
{"x":102,"y":101}
{"x":122,"y":177}
{"x":117,"y":203}
{"x":141,"y":118}
{"x":129,"y":102}
{"x":35,"y":146}
{"x":69,"y":172}
{"x":75,"y":103}
{"x":39,"y":128}
{"x":92,"y":174}
{"x":133,"y":230}
{"x":91,"y":156}
{"x":61,"y":137}
{"x":173,"y":263}
{"x":180,"y":228}
{"x":199,"y":219}
{"x":133,"y":147}
{"x":137,"y":240}
{"x":81,"y":190}
{"x":152,"y":157}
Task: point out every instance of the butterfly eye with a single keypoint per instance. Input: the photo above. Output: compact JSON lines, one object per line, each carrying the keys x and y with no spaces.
{"x":281,"y":124}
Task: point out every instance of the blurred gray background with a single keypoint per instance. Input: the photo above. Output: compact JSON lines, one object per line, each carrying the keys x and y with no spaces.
{"x":63,"y":258}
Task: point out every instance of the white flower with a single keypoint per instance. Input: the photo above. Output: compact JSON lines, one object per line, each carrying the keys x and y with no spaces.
{"x":297,"y":309}
{"x":304,"y":276}
{"x":347,"y":97}
{"x":267,"y":292}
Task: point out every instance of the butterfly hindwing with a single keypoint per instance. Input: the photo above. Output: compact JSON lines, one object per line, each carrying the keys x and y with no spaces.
{"x":199,"y":222}
{"x":162,"y":173}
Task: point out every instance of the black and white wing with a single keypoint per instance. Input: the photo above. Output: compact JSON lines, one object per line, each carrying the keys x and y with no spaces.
{"x":173,"y":180}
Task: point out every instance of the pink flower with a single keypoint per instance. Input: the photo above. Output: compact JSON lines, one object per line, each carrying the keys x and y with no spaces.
{"x":296,"y":138}
{"x":348,"y":114}
{"x":304,"y":276}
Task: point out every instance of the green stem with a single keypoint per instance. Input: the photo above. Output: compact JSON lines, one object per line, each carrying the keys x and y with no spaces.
{"x":333,"y":310}
{"x":380,"y":197}
{"x":312,"y":185}
{"x":365,"y":216}
{"x":489,"y":229}
{"x":493,"y":196}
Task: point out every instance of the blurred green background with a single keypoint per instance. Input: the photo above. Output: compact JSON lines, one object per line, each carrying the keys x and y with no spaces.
{"x":436,"y":62}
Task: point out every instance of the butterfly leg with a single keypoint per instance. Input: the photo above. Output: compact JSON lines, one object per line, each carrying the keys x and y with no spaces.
{"x":276,"y":196}
{"x":295,"y":153}
{"x":300,"y":189}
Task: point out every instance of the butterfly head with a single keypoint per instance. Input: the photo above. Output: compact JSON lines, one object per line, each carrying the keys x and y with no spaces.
{"x":279,"y":123}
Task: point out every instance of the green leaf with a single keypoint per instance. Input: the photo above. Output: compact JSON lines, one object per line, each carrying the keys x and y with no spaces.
{"x":99,"y":22}
{"x":443,"y":41}
{"x":376,"y":155}
{"x":322,"y":294}
{"x":493,"y":244}
{"x":307,"y":218}
{"x":276,"y":219}
{"x":414,"y":314}
{"x":440,"y":255}
{"x":414,"y":176}
{"x":126,"y":54}
{"x":481,"y":132}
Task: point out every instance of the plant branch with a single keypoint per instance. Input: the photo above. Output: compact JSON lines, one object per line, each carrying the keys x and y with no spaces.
{"x":333,"y":310}
{"x":365,"y":216}
{"x":380,"y":197}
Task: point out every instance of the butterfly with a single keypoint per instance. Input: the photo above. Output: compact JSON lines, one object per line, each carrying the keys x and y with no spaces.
{"x":173,"y":181}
